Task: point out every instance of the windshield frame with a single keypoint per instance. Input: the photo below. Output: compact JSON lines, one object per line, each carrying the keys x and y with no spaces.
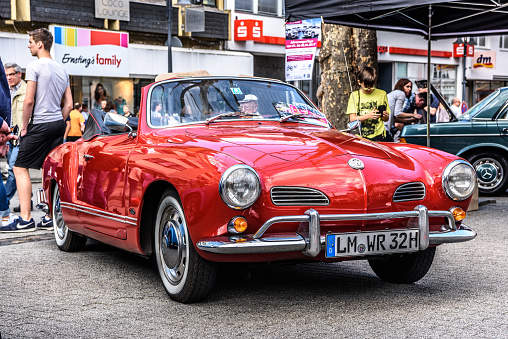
{"x":304,"y":97}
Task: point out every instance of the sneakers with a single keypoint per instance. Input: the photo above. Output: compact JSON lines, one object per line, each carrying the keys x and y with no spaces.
{"x":45,"y":223}
{"x":17,"y":209}
{"x":8,"y":219}
{"x":19,"y":225}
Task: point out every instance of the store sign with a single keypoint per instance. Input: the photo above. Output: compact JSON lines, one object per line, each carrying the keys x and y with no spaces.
{"x":302,"y":39}
{"x":248,"y":30}
{"x":112,"y":9}
{"x":484,"y":59}
{"x":91,"y":52}
{"x":195,"y":19}
{"x":458,"y":50}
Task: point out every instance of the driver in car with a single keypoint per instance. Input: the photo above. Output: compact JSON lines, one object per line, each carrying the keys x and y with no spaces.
{"x":249,"y":104}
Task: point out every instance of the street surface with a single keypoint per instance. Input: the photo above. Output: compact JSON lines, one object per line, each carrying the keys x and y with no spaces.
{"x":103,"y":292}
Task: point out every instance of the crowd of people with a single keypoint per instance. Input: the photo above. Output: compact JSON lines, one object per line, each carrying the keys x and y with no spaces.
{"x":383,"y":116}
{"x":36,"y":115}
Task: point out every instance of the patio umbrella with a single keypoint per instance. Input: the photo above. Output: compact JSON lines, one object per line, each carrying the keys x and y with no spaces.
{"x":433,"y":19}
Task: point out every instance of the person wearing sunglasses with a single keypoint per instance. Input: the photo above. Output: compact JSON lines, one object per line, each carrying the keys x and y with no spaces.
{"x":370,"y":106}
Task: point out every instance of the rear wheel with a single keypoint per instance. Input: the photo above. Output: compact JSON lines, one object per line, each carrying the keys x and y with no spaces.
{"x":492,"y":172}
{"x":66,"y":240}
{"x":404,"y":268}
{"x":186,"y":276}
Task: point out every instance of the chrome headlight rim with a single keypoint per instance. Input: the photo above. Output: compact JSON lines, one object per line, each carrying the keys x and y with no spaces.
{"x":222,"y":188}
{"x":446,"y":176}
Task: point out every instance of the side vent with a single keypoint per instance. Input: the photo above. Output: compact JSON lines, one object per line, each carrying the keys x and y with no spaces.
{"x":298,"y":196}
{"x":409,"y":192}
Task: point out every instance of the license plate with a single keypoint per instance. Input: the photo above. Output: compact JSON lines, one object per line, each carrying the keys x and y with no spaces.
{"x":368,"y":243}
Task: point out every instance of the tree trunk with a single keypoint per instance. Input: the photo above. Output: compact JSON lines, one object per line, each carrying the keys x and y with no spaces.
{"x":344,"y":51}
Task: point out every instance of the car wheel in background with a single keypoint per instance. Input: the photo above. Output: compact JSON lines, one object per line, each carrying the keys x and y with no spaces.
{"x":492,"y":172}
{"x":186,"y":276}
{"x":403,"y":268}
{"x":66,"y":240}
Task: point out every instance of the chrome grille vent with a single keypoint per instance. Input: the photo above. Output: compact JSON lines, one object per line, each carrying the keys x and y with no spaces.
{"x":409,"y":192}
{"x":298,"y":196}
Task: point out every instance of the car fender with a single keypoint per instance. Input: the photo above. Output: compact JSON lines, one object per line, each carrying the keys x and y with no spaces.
{"x":471,"y":148}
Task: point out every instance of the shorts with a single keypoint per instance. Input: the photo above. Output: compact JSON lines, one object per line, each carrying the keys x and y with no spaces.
{"x":39,"y":140}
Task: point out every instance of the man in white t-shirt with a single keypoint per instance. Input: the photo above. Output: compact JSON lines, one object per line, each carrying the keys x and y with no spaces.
{"x":43,"y":124}
{"x":455,"y":107}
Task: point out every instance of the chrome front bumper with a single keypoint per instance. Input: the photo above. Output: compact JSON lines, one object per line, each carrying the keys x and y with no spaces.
{"x":309,"y":240}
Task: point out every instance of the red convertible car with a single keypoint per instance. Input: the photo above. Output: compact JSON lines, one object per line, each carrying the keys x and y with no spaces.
{"x":239,"y":169}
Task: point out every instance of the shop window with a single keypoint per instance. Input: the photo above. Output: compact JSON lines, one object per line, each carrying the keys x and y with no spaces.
{"x":503,"y":42}
{"x":481,"y":42}
{"x":205,"y":2}
{"x":243,"y":5}
{"x":268,"y":7}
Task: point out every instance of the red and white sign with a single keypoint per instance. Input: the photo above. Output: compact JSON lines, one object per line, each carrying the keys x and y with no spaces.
{"x":458,"y":50}
{"x":248,"y":30}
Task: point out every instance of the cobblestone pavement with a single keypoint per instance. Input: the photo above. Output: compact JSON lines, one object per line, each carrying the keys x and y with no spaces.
{"x":104,"y":292}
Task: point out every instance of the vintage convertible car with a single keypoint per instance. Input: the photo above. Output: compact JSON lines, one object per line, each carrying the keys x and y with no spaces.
{"x":224,"y":169}
{"x":480,"y":135}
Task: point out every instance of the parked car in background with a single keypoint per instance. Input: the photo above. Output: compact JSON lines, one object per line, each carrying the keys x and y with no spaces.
{"x":480,"y":136}
{"x":239,"y":169}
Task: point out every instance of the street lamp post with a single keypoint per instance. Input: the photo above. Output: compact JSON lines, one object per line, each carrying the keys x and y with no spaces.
{"x":169,"y":9}
{"x":465,"y":43}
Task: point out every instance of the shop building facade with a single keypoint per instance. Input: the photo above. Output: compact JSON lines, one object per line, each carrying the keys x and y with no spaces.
{"x":145,"y":48}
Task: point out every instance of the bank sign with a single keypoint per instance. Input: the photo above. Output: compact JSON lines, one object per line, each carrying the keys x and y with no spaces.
{"x":91,"y":52}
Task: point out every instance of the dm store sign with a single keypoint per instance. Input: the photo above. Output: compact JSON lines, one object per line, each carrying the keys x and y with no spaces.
{"x":91,"y":52}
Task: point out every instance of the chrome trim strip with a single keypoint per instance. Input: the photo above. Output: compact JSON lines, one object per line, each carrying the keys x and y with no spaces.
{"x":126,"y":220}
{"x":265,"y":245}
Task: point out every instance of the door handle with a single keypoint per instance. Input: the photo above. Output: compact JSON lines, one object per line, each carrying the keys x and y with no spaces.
{"x":505,"y":130}
{"x":88,"y":157}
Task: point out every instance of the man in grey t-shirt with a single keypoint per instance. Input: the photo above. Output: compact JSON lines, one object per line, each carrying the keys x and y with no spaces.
{"x":43,"y":122}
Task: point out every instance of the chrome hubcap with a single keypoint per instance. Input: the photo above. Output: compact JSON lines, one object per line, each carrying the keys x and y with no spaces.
{"x":490,"y":173}
{"x":173,"y":245}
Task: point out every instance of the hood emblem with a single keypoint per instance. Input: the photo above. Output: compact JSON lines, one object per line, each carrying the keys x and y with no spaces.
{"x":355,"y":164}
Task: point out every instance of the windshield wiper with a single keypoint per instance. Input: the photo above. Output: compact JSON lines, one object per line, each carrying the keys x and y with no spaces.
{"x":299,"y":115}
{"x":230,"y":114}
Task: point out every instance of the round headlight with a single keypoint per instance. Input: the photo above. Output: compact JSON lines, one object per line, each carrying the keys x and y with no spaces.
{"x":239,"y":186}
{"x":459,"y":180}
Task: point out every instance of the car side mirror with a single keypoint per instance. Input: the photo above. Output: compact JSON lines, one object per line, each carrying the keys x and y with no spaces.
{"x":351,"y":126}
{"x":118,"y":122}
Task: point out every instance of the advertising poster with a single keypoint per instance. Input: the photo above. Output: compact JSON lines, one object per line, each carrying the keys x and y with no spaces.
{"x":91,"y":52}
{"x":301,"y":44}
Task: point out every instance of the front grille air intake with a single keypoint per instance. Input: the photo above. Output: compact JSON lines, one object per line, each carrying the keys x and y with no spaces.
{"x":409,"y":192}
{"x":298,"y":196}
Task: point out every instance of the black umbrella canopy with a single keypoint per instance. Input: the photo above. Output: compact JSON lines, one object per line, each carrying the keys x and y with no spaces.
{"x":449,"y":18}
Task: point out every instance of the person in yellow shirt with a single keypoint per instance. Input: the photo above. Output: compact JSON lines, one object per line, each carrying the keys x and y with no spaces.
{"x":370,"y":106}
{"x":75,"y":124}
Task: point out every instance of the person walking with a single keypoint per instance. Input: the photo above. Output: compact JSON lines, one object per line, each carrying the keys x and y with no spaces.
{"x":370,"y":106}
{"x":43,"y":123}
{"x":455,"y":107}
{"x":75,"y":128}
{"x":5,"y":137}
{"x":18,"y":90}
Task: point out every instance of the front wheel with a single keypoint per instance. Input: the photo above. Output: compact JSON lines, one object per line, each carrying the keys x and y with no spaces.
{"x":492,"y":172}
{"x":66,"y":240}
{"x":186,"y":276}
{"x":403,"y":268}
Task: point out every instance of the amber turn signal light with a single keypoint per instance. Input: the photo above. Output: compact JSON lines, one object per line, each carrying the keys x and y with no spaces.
{"x":237,"y":225}
{"x":458,"y":213}
{"x":402,"y":140}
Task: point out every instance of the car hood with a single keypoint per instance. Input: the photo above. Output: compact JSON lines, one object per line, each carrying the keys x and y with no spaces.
{"x":289,"y":144}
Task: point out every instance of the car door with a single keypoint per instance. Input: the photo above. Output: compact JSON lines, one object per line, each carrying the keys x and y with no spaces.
{"x":502,"y":124}
{"x":101,"y":189}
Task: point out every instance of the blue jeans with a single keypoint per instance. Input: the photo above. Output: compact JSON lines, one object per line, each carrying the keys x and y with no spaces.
{"x":4,"y":204}
{"x":10,"y":184}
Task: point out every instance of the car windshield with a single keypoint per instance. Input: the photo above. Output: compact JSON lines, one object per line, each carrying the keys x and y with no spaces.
{"x":208,"y":100}
{"x":487,"y":107}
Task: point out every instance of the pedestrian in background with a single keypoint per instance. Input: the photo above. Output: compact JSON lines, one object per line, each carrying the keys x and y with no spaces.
{"x":126,"y":111}
{"x":84,"y":111}
{"x":74,"y":129}
{"x":5,"y":137}
{"x":396,"y":98}
{"x":365,"y":103}
{"x":43,"y":124}
{"x":99,"y":95}
{"x":455,"y":107}
{"x":18,"y":90}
